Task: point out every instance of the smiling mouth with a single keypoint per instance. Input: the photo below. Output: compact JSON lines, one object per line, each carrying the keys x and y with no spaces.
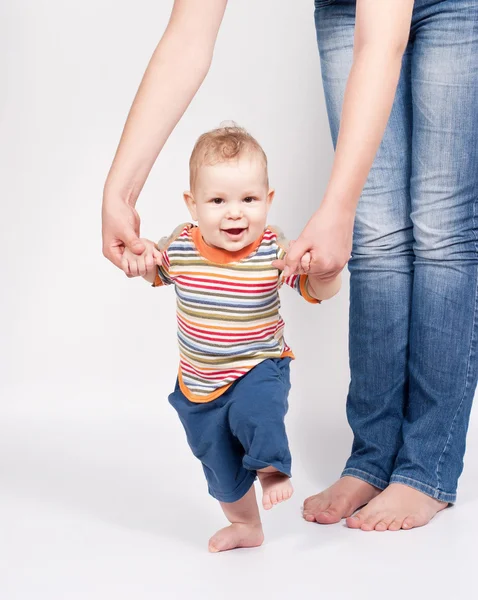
{"x":235,"y":231}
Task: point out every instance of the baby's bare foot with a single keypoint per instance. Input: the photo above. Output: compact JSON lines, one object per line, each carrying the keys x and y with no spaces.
{"x":397,"y":507}
{"x":276,"y":487}
{"x":340,"y":500}
{"x":237,"y":535}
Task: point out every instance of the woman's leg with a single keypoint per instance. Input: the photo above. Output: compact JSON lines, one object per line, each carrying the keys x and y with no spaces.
{"x":443,"y":330}
{"x":381,"y":279}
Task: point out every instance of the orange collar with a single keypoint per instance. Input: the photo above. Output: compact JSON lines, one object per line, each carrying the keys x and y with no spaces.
{"x":218,"y":255}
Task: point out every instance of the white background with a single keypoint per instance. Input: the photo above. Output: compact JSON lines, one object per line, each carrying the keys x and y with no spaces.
{"x":99,"y":494}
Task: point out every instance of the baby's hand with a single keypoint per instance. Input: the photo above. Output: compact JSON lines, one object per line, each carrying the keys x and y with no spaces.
{"x":145,"y":264}
{"x":304,"y":263}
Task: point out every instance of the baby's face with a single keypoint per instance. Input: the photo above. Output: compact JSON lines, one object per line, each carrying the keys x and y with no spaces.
{"x":230,"y":202}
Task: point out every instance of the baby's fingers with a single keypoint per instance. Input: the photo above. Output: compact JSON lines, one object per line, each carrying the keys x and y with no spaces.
{"x":125,"y":265}
{"x":278,"y":264}
{"x":133,"y":267}
{"x":129,"y":266}
{"x":305,"y":262}
{"x":141,"y":265}
{"x":149,"y":262}
{"x":158,"y":257}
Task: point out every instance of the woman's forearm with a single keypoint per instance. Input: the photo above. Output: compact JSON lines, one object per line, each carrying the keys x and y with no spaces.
{"x":367,"y":105}
{"x":173,"y":76}
{"x":381,"y":36}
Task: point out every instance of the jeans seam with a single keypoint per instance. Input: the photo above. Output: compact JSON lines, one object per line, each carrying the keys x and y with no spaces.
{"x":436,"y":493}
{"x":441,"y":459}
{"x":369,"y":476}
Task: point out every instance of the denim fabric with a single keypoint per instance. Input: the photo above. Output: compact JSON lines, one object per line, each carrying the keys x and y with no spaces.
{"x":413,"y":270}
{"x":241,"y":431}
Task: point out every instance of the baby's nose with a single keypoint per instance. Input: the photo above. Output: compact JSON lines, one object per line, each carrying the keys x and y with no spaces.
{"x":235,"y":212}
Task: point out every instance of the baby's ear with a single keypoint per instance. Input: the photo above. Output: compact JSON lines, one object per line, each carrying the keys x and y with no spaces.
{"x":191,"y":204}
{"x":270,"y":196}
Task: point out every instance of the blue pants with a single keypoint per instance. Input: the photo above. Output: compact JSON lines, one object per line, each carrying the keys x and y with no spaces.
{"x":240,"y":432}
{"x":413,"y":271}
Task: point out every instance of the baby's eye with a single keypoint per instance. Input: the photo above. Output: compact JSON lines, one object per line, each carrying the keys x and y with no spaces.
{"x":249,"y":199}
{"x":217,"y":200}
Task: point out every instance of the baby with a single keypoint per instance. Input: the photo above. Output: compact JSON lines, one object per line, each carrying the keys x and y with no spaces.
{"x":233,"y":379}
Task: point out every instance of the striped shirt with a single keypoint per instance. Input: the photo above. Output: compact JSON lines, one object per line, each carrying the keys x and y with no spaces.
{"x":227,"y":307}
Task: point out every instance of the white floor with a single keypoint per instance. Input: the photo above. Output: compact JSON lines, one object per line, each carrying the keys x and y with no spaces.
{"x":103,"y":501}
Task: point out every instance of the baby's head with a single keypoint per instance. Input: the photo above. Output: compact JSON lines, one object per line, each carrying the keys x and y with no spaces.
{"x":229,"y":195}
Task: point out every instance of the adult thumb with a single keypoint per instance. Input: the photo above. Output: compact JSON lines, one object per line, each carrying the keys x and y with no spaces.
{"x":133,"y":242}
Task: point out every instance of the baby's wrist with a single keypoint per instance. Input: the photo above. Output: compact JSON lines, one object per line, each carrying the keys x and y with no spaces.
{"x":312,"y":285}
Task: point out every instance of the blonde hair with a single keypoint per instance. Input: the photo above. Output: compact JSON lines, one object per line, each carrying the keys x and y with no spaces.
{"x":220,"y":145}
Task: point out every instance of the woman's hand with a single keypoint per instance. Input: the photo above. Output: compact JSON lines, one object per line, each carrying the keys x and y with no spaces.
{"x":143,"y":265}
{"x":328,"y":238}
{"x":120,"y":230}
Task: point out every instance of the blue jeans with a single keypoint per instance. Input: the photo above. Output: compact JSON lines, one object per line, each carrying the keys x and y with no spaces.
{"x":413,"y":270}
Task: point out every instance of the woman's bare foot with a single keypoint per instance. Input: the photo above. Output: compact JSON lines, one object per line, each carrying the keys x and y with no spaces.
{"x":237,"y":535}
{"x":340,"y":500}
{"x":397,"y":507}
{"x":276,"y":487}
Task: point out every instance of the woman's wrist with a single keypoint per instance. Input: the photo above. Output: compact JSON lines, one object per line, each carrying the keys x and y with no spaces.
{"x":114,"y":195}
{"x":340,"y":202}
{"x":339,"y":211}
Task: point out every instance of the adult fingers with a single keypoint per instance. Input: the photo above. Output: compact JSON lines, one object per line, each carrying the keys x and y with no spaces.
{"x":114,"y":252}
{"x":296,"y":251}
{"x":325,"y":267}
{"x":132,"y":241}
{"x":329,"y":275}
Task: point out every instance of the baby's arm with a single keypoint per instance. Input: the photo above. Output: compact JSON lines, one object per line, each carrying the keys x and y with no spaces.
{"x":323,"y":290}
{"x":145,"y":264}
